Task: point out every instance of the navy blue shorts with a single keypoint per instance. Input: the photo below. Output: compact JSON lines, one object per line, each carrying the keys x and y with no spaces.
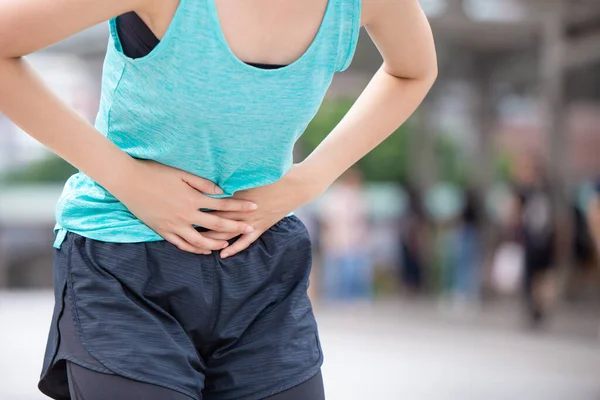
{"x":238,"y":328}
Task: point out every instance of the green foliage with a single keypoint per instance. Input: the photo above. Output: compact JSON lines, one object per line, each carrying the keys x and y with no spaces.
{"x":48,"y":170}
{"x":388,"y":162}
{"x":502,"y":164}
{"x":449,"y":163}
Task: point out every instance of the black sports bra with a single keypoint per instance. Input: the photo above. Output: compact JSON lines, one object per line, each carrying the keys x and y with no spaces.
{"x":137,"y":40}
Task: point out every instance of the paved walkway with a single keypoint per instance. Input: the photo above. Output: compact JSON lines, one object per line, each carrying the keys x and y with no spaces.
{"x":381,"y":352}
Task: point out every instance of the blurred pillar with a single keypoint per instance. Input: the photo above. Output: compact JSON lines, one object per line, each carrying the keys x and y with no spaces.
{"x":8,"y":145}
{"x":3,"y":260}
{"x":422,"y":157}
{"x":554,"y":104}
{"x":422,"y":176}
{"x":485,"y":114}
{"x":455,"y":8}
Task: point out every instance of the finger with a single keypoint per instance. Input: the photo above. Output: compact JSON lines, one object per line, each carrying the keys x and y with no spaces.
{"x":183,"y":245}
{"x":201,"y":184}
{"x":241,"y":244}
{"x":219,"y":235}
{"x":220,"y":224}
{"x":229,"y":204}
{"x":195,"y":238}
{"x":236,"y":216}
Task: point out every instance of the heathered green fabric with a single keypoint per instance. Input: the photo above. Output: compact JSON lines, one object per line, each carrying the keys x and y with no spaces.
{"x":193,"y":105}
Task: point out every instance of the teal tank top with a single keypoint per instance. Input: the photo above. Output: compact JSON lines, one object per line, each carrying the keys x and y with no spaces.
{"x":193,"y":105}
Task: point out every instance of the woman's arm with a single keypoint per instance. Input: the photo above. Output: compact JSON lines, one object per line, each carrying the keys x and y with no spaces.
{"x":30,"y":25}
{"x":402,"y":34}
{"x":169,"y":206}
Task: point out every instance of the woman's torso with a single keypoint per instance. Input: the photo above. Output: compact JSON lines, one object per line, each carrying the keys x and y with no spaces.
{"x":191,"y":103}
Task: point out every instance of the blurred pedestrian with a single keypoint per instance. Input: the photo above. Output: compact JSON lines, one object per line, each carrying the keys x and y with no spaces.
{"x":412,"y":236}
{"x":467,"y":271}
{"x":584,"y":254}
{"x":347,"y":269}
{"x":535,"y":229}
{"x":593,"y":218}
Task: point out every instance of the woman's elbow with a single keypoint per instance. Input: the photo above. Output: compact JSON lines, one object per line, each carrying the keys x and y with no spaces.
{"x":428,"y":73}
{"x":432,"y":73}
{"x":424,"y":73}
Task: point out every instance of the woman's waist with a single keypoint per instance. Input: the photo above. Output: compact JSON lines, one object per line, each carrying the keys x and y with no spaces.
{"x":84,"y":190}
{"x":86,"y":205}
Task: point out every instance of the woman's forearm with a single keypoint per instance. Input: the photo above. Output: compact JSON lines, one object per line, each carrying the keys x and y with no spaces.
{"x":26,"y":101}
{"x":385,"y":104}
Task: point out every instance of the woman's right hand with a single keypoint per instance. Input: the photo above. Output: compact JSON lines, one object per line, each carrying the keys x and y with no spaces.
{"x":169,"y":200}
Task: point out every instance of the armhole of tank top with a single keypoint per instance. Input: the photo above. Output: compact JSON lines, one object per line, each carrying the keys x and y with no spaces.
{"x":354,"y":33}
{"x":162,"y":45}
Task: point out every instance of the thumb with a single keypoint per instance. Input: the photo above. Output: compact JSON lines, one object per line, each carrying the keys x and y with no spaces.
{"x":201,"y":184}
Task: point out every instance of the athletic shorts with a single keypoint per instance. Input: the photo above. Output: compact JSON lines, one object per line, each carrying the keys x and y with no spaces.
{"x":211,"y":328}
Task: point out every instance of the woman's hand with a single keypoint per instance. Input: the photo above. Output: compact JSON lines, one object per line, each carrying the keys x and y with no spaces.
{"x":169,"y":200}
{"x":275,"y":201}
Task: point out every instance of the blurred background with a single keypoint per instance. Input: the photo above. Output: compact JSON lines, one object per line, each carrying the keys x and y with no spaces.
{"x":459,"y":260}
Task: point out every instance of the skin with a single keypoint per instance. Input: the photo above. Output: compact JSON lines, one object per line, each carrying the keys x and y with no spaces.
{"x":593,"y":216}
{"x":171,"y":206}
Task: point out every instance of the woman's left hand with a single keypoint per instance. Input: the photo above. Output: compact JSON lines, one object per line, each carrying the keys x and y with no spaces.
{"x":275,"y":201}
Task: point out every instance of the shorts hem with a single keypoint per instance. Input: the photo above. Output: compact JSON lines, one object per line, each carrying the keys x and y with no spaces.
{"x":83,"y":364}
{"x":290,"y":385}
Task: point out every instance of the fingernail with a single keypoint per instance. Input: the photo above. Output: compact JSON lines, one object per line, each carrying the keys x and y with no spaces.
{"x":218,"y":190}
{"x":249,"y":229}
{"x":224,"y":255}
{"x":253,"y":206}
{"x":225,"y":245}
